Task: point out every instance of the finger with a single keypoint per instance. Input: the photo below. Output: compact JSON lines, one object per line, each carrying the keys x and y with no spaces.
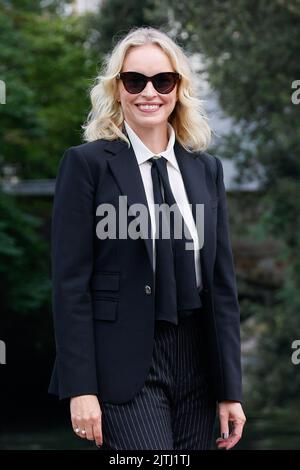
{"x":76,"y":427}
{"x":82,"y":430}
{"x":235,"y":435}
{"x":231,"y":442}
{"x":89,"y":432}
{"x":221,"y":443}
{"x":224,"y":428}
{"x":76,"y":424}
{"x":97,"y":430}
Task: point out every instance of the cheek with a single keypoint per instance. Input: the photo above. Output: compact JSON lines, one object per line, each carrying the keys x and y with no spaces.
{"x":172,"y":99}
{"x":128,"y":105}
{"x":171,"y":103}
{"x":126,"y":99}
{"x":130,"y":101}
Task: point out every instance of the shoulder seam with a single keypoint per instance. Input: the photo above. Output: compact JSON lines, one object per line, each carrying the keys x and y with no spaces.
{"x":82,"y":158}
{"x":214,"y":163}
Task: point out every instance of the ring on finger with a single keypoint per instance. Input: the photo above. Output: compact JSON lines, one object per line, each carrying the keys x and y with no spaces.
{"x":77,"y":429}
{"x":83,"y":431}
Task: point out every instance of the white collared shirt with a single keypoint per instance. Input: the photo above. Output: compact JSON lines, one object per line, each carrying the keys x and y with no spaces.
{"x":143,"y":154}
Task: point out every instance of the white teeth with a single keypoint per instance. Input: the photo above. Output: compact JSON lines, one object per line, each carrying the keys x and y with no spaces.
{"x":148,"y":106}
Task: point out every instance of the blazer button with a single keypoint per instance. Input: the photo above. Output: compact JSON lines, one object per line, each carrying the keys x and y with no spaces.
{"x":148,"y":289}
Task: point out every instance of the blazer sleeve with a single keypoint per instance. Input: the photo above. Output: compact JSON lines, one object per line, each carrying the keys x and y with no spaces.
{"x":72,"y":264}
{"x":226,"y":306}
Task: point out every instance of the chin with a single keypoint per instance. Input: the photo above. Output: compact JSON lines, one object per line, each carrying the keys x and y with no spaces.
{"x":153,"y":119}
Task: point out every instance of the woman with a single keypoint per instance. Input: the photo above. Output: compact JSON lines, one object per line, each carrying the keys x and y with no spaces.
{"x":147,"y":330}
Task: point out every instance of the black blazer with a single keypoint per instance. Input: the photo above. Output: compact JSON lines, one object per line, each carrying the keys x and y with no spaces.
{"x":103,"y":302}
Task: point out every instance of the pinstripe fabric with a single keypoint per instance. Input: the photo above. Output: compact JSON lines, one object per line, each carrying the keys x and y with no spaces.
{"x":174,"y":409}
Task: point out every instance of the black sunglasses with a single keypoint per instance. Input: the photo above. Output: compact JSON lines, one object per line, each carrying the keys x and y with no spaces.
{"x":135,"y":82}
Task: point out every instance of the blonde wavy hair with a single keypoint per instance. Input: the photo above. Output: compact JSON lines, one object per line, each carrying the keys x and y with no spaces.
{"x":105,"y":119}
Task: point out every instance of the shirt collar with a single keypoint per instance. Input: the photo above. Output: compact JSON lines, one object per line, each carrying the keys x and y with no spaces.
{"x":143,"y":153}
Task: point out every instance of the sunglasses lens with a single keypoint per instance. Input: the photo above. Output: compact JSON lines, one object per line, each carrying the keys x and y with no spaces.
{"x":134,"y":82}
{"x":165,"y":82}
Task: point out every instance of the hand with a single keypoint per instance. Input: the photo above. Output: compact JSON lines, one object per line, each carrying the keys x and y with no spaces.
{"x":86,"y":418}
{"x":230,"y":412}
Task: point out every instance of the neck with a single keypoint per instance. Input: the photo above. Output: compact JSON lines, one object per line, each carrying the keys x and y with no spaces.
{"x":156,"y":138}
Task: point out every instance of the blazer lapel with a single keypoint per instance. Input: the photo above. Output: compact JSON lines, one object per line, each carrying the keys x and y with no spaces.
{"x":126,"y":171}
{"x":194,"y":177}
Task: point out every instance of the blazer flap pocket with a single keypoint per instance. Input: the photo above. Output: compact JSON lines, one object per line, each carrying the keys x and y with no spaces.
{"x":105,"y":281}
{"x":105,"y":309}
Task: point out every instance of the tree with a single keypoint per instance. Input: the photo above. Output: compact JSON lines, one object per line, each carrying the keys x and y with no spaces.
{"x":251,"y":52}
{"x":116,"y":17}
{"x":48,"y":69}
{"x":47,"y":66}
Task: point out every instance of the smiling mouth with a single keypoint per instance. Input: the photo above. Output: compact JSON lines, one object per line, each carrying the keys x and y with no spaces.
{"x":148,"y":107}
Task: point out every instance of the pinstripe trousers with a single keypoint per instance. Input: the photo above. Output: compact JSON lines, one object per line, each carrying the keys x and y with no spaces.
{"x":175,"y":408}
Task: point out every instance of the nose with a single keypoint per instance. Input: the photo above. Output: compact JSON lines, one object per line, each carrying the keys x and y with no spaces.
{"x":149,"y":90}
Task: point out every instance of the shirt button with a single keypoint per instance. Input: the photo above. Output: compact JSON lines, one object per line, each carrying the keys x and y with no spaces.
{"x":148,"y":289}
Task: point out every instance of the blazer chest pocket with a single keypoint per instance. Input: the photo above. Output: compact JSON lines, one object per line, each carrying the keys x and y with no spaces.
{"x":105,"y":281}
{"x":105,"y":289}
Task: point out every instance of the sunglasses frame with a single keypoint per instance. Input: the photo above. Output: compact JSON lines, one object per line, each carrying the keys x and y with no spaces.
{"x":147,"y":79}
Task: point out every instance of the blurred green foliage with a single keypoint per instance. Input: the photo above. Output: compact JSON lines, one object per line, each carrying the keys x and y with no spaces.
{"x":116,"y":18}
{"x":46,"y":63}
{"x":250,"y":54}
{"x":24,"y":263}
{"x":48,"y":69}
